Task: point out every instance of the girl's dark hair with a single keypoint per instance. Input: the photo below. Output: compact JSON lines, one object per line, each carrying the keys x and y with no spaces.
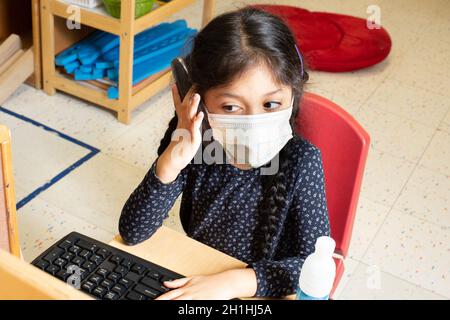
{"x":229,"y":45}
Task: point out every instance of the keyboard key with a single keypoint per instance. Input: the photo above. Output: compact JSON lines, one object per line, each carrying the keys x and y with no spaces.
{"x":166,"y":278}
{"x":126,"y":283}
{"x":52,"y":269}
{"x":135,"y":296}
{"x":116,"y":259}
{"x":83,"y":273}
{"x":42,"y":264}
{"x":60,"y":262}
{"x":114,"y":277}
{"x":89,"y":266}
{"x":103,"y":253}
{"x":120,"y":290}
{"x":108,"y":266}
{"x":67,"y":256}
{"x":65,"y":245}
{"x":75,"y":249}
{"x":146,"y":291}
{"x":126,"y":263}
{"x":62,"y":274}
{"x":133,"y":276}
{"x":154,"y":274}
{"x":107,"y":284}
{"x":111,"y":296}
{"x":85,"y":254}
{"x":138,"y":268}
{"x":87,"y":245}
{"x":78,"y":261}
{"x":152,"y":283}
{"x":96,"y":259}
{"x":99,"y":292}
{"x":53,"y":255}
{"x":103,"y":272}
{"x":88,"y":286}
{"x":96,"y":279}
{"x":121,"y":270}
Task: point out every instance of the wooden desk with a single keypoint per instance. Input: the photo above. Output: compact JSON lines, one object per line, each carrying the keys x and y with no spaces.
{"x":168,"y":248}
{"x":184,"y":255}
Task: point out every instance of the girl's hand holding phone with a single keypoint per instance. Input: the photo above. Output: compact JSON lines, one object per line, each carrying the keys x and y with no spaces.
{"x":186,"y":139}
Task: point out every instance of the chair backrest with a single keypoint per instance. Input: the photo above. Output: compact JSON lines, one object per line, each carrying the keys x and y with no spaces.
{"x":344,"y":146}
{"x":9,"y":237}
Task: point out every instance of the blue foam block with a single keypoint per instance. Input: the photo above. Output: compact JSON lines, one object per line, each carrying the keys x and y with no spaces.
{"x":150,"y":37}
{"x":70,"y":54}
{"x":112,"y":74}
{"x":104,"y":64}
{"x":98,"y":73}
{"x":107,"y":42}
{"x":90,"y":58}
{"x":86,"y":68}
{"x":112,"y":93}
{"x":80,"y":75}
{"x":68,"y":57}
{"x":71,"y":66}
{"x":147,"y":68}
{"x":177,"y":41}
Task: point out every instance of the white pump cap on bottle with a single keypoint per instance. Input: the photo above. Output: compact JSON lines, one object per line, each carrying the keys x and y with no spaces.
{"x":318,"y":270}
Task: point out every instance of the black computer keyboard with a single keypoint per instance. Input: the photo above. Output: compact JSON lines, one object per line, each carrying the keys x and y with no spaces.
{"x":103,"y":271}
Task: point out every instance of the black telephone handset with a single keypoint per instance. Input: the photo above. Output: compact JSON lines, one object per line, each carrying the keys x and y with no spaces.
{"x":184,"y":83}
{"x":183,"y":80}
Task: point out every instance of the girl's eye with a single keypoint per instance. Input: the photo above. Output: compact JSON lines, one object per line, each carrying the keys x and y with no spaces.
{"x":272,"y":105}
{"x":230,"y":108}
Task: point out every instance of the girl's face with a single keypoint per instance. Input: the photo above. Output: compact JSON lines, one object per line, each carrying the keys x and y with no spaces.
{"x":255,"y":92}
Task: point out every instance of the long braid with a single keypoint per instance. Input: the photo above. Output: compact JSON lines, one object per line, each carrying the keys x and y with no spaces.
{"x":275,"y":199}
{"x":274,"y":191}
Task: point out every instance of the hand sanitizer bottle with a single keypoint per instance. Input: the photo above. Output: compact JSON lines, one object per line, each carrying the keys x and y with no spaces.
{"x":318,"y":272}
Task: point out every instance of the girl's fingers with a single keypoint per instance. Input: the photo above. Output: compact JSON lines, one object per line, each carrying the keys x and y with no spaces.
{"x":177,"y":283}
{"x":188,"y":96}
{"x":198,"y":120}
{"x":187,"y":109}
{"x":193,"y":106}
{"x":183,"y":297}
{"x":176,"y":95}
{"x":171,"y":295}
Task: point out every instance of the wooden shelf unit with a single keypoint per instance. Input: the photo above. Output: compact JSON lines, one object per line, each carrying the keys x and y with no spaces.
{"x":125,"y":27}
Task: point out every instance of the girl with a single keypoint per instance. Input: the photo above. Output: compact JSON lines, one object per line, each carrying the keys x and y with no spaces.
{"x":246,"y":67}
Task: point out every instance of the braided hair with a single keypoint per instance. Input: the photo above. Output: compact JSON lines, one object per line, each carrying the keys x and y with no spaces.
{"x":224,"y":49}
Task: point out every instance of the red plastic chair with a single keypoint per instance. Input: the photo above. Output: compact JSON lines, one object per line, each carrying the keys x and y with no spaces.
{"x":344,"y":146}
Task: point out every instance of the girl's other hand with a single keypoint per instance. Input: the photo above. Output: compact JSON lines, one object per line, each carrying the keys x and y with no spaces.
{"x":212,"y":287}
{"x":224,"y":285}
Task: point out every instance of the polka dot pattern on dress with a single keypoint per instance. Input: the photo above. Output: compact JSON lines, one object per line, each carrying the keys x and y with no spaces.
{"x":220,"y":207}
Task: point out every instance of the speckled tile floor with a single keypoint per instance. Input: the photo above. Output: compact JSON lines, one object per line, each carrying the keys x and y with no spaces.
{"x":400,"y":245}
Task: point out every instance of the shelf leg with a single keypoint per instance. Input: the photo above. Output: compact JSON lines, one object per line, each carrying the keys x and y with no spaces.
{"x":124,"y":116}
{"x":209,"y":9}
{"x":126,"y":60}
{"x":36,"y":43}
{"x":48,"y":47}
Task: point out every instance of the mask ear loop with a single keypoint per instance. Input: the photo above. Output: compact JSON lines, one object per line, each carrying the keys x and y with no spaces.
{"x":305,"y":75}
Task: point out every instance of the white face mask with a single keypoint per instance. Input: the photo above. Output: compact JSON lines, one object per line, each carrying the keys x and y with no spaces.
{"x":252,"y":139}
